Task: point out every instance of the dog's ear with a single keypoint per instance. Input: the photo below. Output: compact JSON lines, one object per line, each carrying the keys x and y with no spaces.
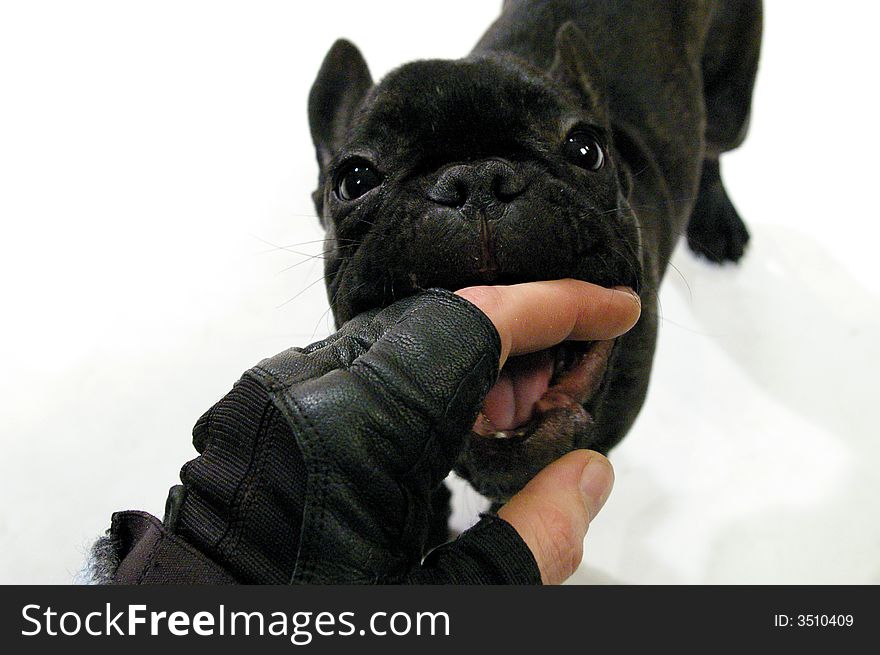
{"x":336,"y":94}
{"x":342,"y":83}
{"x":575,"y":67}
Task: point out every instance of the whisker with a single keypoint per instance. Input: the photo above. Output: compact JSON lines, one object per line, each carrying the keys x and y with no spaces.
{"x":681,"y":326}
{"x":302,"y":291}
{"x":302,"y":243}
{"x":336,"y":299}
{"x":683,"y":279}
{"x":661,"y":318}
{"x":314,"y":217}
{"x":306,"y":258}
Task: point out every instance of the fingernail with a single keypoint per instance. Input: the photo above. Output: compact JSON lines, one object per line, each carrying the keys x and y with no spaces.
{"x":596,"y":482}
{"x":632,"y":294}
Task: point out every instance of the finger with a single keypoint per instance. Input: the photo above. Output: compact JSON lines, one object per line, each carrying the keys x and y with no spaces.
{"x":554,"y":510}
{"x":537,"y":315}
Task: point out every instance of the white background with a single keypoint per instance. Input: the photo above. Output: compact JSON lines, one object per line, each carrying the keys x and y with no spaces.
{"x":154,"y":155}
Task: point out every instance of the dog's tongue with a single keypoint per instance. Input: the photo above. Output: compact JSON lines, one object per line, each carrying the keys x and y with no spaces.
{"x":522,"y":382}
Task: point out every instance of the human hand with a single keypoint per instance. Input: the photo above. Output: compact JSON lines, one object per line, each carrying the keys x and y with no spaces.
{"x":553,"y":512}
{"x":378,"y":413}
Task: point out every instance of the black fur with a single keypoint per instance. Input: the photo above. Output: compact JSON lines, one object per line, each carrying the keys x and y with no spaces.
{"x":475,"y":186}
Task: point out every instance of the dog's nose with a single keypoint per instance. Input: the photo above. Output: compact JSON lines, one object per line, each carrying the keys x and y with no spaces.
{"x":480,"y":184}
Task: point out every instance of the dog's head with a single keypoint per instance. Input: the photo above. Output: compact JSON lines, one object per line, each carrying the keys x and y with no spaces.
{"x":482,"y":171}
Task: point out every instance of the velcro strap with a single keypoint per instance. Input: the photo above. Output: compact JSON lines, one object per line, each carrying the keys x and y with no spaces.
{"x":149,"y":554}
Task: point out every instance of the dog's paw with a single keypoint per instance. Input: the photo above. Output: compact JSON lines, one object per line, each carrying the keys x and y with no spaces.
{"x":715,"y":230}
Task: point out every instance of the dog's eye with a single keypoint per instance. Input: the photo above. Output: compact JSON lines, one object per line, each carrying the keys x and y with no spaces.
{"x":582,"y":149}
{"x":356,"y":180}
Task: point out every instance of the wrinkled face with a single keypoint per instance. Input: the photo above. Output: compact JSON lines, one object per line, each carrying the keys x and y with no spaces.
{"x":451,"y":174}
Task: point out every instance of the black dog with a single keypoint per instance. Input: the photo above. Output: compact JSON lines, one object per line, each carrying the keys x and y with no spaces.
{"x":579,"y":139}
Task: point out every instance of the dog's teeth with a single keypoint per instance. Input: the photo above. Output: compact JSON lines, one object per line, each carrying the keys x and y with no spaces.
{"x":560,"y":359}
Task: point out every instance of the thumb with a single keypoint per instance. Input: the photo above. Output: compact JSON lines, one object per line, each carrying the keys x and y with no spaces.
{"x":554,"y":510}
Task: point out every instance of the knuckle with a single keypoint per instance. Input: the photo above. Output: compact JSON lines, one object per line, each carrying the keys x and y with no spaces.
{"x":486,"y":298}
{"x":560,"y":542}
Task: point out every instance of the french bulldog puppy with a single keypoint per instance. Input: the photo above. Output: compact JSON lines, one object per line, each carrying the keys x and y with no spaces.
{"x":579,"y":139}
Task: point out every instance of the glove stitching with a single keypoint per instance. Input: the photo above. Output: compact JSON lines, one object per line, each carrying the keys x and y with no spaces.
{"x":231,"y":536}
{"x":262,"y":450}
{"x":150,"y":559}
{"x":266,"y":378}
{"x":319,"y":472}
{"x":212,"y":413}
{"x":323,"y":476}
{"x":434,"y":428}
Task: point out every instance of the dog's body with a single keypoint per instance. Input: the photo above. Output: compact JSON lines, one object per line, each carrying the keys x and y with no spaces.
{"x":579,"y":139}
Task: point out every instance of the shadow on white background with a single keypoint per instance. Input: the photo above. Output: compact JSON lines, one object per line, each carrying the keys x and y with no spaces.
{"x":754,"y":460}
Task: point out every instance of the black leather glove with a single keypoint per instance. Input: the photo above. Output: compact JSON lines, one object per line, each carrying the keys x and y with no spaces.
{"x":319,"y":466}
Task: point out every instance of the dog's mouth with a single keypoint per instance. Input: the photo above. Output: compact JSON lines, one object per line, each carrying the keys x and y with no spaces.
{"x":540,"y":408}
{"x":531,"y":386}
